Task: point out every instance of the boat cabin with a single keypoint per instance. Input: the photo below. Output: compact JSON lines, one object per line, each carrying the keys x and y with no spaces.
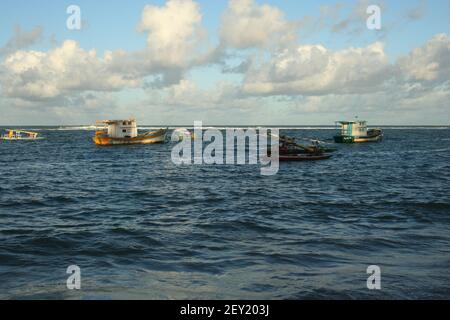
{"x":352,"y":128}
{"x":120,"y":128}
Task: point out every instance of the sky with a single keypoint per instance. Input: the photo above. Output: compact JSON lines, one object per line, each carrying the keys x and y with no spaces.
{"x":236,"y":62}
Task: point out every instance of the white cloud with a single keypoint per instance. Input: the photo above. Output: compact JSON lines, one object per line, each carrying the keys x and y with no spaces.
{"x":315,"y":70}
{"x":430,"y":62}
{"x":188,"y":94}
{"x":68,"y":68}
{"x":279,"y":79}
{"x":174,"y":38}
{"x":246,"y":24}
{"x":174,"y":31}
{"x":76,"y":108}
{"x":21,"y":40}
{"x":355,"y":22}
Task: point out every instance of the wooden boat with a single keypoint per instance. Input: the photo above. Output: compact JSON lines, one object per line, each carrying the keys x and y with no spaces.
{"x":122,"y":132}
{"x":289,"y":146}
{"x":19,"y":135}
{"x":305,"y":150}
{"x":357,"y":132}
{"x":290,"y":150}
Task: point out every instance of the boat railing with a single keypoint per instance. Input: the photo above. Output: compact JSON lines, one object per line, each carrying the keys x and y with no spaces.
{"x":12,"y":133}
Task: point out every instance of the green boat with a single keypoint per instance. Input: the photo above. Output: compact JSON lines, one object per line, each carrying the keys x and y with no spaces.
{"x":356,"y":132}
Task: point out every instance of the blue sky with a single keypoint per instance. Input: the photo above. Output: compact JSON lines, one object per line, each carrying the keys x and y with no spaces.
{"x":113,"y":25}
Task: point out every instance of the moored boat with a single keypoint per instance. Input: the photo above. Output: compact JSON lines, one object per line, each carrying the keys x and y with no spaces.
{"x":19,"y":135}
{"x":181,"y":134}
{"x":290,"y":150}
{"x":289,"y":146}
{"x":121,"y":132}
{"x":357,"y":132}
{"x":305,"y":157}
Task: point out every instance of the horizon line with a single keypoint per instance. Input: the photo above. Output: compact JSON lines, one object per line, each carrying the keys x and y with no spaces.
{"x":228,"y":125}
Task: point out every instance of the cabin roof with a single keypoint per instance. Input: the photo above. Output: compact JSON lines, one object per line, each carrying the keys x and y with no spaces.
{"x":115,"y":121}
{"x":20,"y":131}
{"x":349,"y":122}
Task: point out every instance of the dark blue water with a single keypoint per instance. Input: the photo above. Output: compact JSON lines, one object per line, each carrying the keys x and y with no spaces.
{"x":140,"y":227}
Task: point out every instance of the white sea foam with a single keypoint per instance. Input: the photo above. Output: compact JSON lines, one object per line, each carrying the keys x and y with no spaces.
{"x":68,"y":128}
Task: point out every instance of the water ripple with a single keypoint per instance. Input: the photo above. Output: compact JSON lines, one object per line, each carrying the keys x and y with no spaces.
{"x":139,"y":226}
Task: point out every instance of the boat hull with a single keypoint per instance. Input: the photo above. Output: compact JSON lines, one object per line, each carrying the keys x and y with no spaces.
{"x":376,"y":137}
{"x":19,"y":139}
{"x":147,"y":138}
{"x":297,"y":151}
{"x":304,"y":157}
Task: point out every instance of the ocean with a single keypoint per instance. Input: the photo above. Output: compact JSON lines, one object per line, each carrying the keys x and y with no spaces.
{"x":140,"y":227}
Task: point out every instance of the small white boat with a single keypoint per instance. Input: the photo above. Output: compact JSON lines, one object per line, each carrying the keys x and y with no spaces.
{"x":19,"y":135}
{"x":182,"y":134}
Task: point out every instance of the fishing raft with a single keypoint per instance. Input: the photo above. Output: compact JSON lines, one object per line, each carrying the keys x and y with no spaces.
{"x":290,"y":150}
{"x":12,"y":134}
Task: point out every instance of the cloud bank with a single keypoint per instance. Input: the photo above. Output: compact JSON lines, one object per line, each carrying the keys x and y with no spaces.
{"x":276,"y":74}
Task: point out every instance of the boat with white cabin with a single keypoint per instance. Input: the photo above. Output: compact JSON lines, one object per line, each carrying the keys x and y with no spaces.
{"x":357,"y":132}
{"x":120,"y":132}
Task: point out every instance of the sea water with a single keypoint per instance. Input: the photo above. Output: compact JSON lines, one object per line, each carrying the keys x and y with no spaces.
{"x":139,"y":226}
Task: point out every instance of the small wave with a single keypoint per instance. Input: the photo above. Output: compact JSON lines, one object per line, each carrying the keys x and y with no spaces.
{"x":415,"y":128}
{"x":67,"y":128}
{"x":427,"y":150}
{"x":20,"y":202}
